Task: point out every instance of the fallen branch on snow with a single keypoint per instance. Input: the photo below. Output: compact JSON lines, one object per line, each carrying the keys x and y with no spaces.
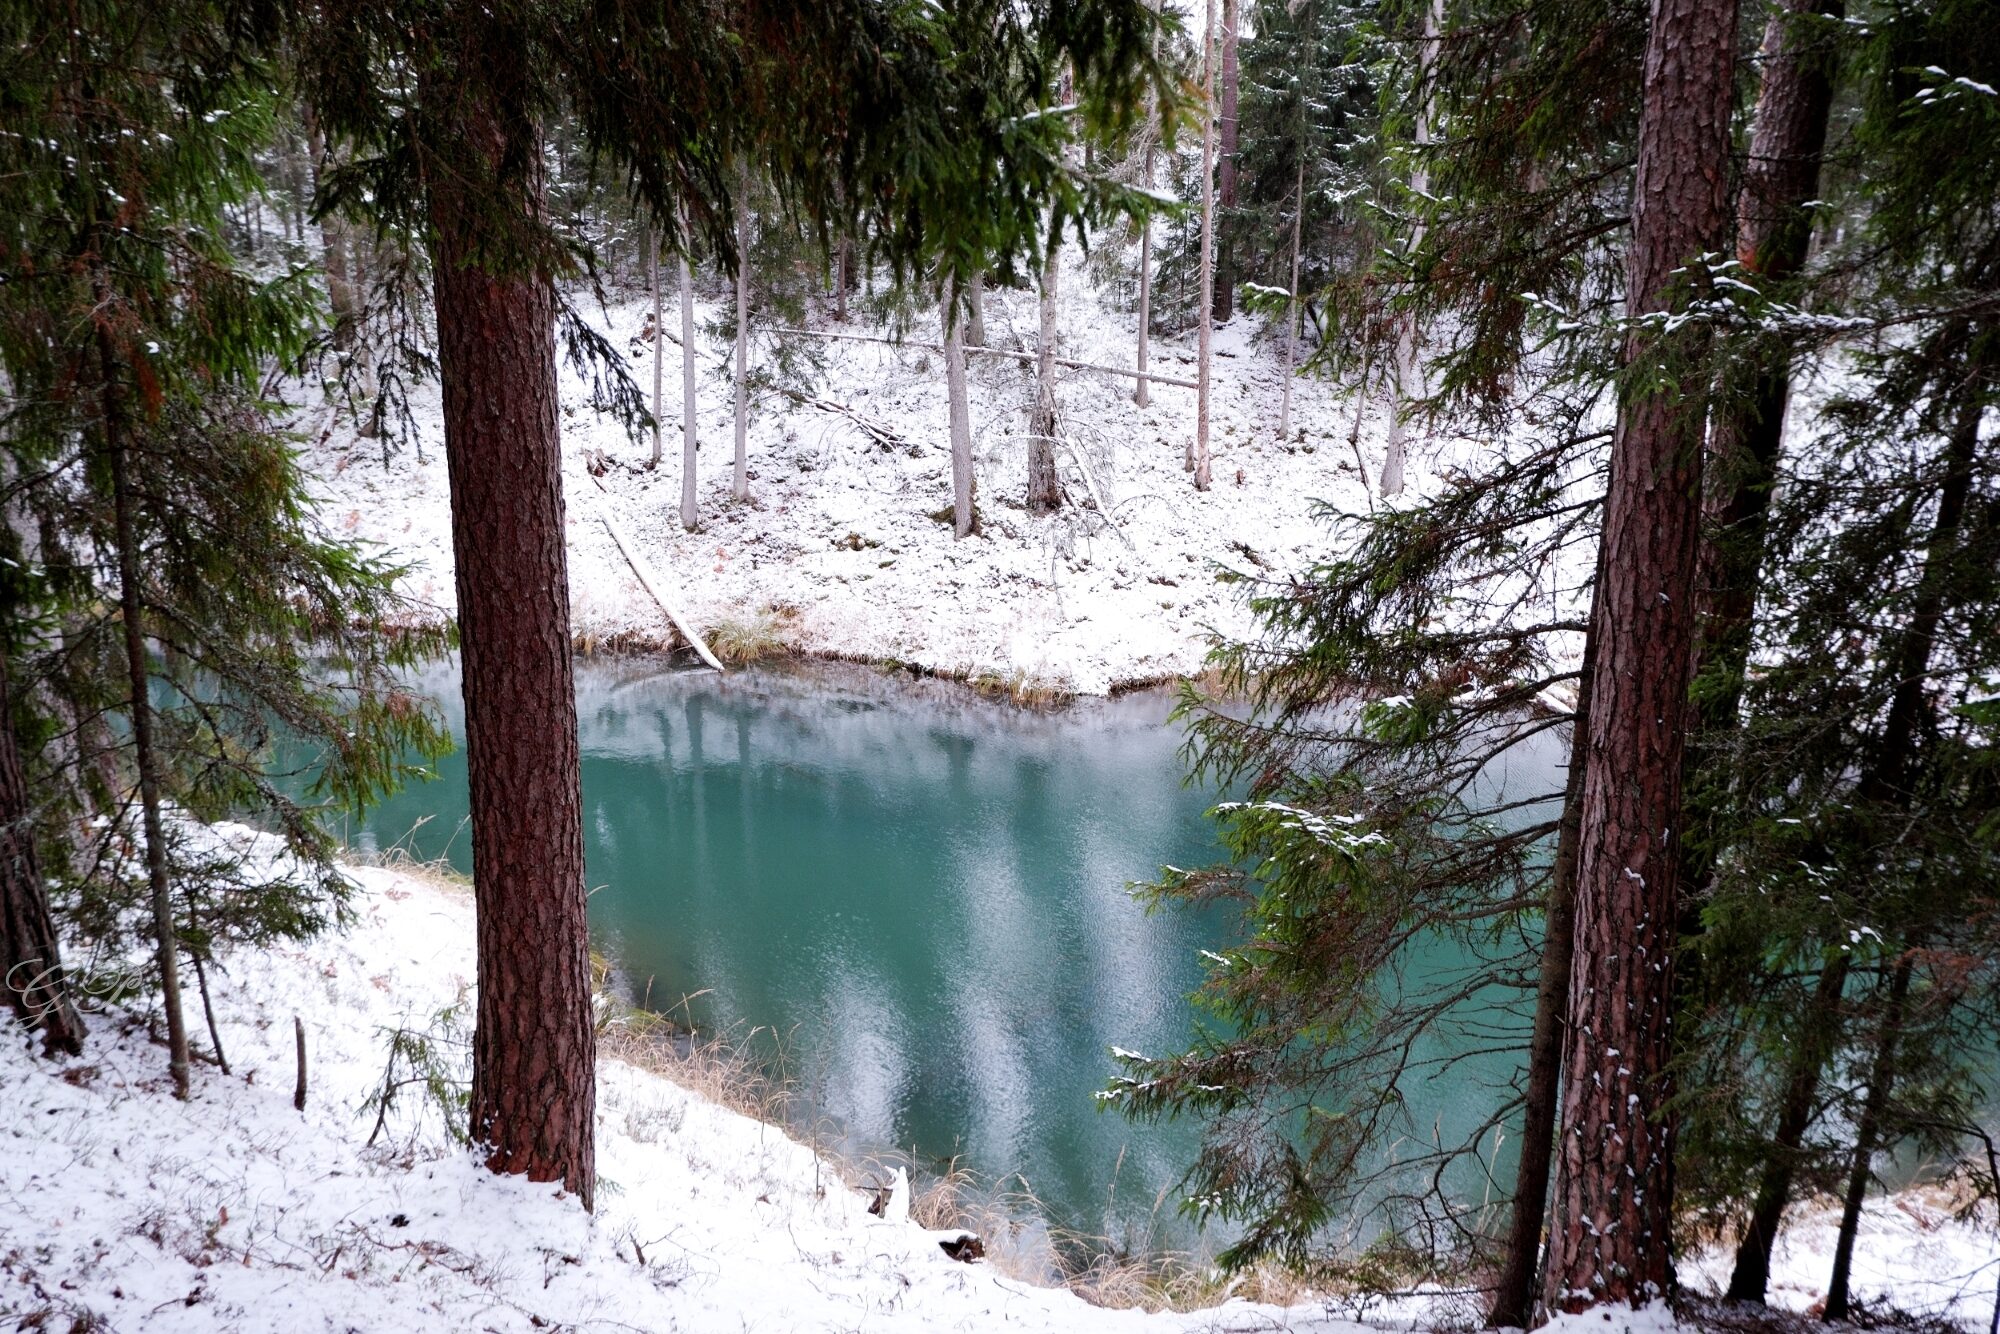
{"x":971,"y":348}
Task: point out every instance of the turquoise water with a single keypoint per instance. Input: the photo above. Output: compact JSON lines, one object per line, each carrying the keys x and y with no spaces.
{"x":916,"y":897}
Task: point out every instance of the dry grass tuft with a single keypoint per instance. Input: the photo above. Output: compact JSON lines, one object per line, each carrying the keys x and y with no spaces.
{"x":708,"y":1065}
{"x":1032,"y":692}
{"x":751,"y":638}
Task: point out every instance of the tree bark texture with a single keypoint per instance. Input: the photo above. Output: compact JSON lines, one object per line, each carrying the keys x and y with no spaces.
{"x":1197,"y":455}
{"x":659,"y":337}
{"x":1867,"y":1135}
{"x":1514,"y":1291}
{"x":533,"y":1100}
{"x":964,"y":520}
{"x":1225,"y":166}
{"x":31,"y":971}
{"x":739,"y":485}
{"x":1044,"y":485}
{"x":138,"y":676}
{"x":1613,"y":1202}
{"x":690,"y":511}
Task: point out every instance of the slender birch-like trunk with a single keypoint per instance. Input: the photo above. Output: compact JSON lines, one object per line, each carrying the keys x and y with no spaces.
{"x":975,"y":292}
{"x":963,"y":518}
{"x":1142,"y":395}
{"x":843,"y":262}
{"x":1407,"y":373}
{"x":659,"y":337}
{"x":739,"y":485}
{"x":690,"y":514}
{"x":1225,"y":162}
{"x":1292,"y":305}
{"x":1044,"y":486}
{"x":1197,"y":456}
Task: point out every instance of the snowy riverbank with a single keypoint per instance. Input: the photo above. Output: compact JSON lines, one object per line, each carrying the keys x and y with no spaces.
{"x":127,"y":1210}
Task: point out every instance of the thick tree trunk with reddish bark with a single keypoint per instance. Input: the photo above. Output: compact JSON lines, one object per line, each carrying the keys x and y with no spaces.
{"x":31,"y":971}
{"x":1774,"y":231}
{"x":534,"y":1053}
{"x":1614,"y":1187}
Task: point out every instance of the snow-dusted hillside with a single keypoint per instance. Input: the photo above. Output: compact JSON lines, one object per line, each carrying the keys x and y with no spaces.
{"x":839,"y":537}
{"x":127,"y":1210}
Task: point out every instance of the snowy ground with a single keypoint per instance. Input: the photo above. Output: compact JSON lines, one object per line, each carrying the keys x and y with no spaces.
{"x":127,"y":1210}
{"x":838,"y":537}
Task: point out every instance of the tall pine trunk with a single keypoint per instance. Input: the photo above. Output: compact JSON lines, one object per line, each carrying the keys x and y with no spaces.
{"x":31,"y":971}
{"x":690,"y":512}
{"x":144,"y":756}
{"x":739,"y":485}
{"x":1612,"y":1233}
{"x":533,"y":1098}
{"x":1225,"y":165}
{"x":1044,"y":486}
{"x":1774,"y":231}
{"x":964,"y":520}
{"x":1197,"y":455}
{"x":1514,"y":1292}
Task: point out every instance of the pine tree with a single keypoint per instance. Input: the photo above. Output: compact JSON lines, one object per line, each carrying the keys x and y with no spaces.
{"x":151,"y":478}
{"x":866,"y":118}
{"x":1613,"y":1228}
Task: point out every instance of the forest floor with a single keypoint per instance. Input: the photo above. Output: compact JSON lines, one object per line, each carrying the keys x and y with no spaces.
{"x":839,"y":551}
{"x":128,"y":1210}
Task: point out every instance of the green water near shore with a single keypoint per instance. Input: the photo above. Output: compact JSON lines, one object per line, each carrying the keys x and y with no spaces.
{"x":917,"y":898}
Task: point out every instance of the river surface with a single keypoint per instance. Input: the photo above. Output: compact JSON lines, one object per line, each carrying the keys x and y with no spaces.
{"x":917,"y":898}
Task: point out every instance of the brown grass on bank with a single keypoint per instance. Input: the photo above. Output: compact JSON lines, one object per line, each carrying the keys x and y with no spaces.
{"x":754,"y":637}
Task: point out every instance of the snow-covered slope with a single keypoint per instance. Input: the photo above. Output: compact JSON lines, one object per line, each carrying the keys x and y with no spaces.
{"x":839,"y":535}
{"x":128,"y":1210}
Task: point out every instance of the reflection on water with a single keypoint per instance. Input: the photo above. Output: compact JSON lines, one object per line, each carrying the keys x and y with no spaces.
{"x":921,"y":893}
